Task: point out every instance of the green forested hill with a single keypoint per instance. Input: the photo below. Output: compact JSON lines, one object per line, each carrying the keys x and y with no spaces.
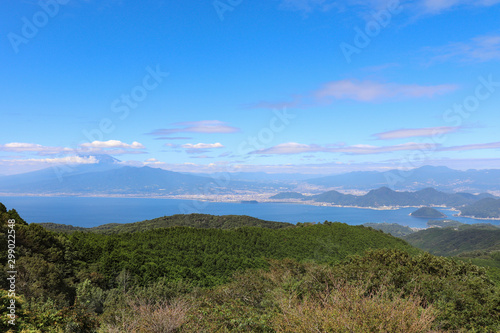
{"x":210,"y":256}
{"x":454,"y":241}
{"x":243,"y":279}
{"x":484,"y":208}
{"x":428,"y":212}
{"x":203,"y":221}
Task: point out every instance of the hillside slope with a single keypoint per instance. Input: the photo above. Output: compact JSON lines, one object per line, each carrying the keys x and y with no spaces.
{"x":203,"y":221}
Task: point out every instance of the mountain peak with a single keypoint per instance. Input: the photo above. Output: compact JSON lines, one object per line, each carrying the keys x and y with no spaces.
{"x":103,"y":158}
{"x":431,"y":168}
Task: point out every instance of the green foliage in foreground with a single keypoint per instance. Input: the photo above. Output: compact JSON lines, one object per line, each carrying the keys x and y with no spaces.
{"x":380,"y":291}
{"x":183,"y":279}
{"x":210,"y":256}
{"x":476,"y":243}
{"x":203,"y":221}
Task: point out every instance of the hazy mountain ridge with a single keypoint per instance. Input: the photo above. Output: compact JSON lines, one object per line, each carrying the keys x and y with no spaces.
{"x":110,"y":177}
{"x":487,"y":208}
{"x":384,"y":196}
{"x":441,"y":178}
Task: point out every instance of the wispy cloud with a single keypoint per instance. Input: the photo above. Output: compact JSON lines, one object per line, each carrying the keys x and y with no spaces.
{"x":298,"y":148}
{"x":21,"y":147}
{"x":369,"y":91}
{"x":58,"y":160}
{"x":416,"y":132}
{"x":173,"y":138}
{"x":477,"y":146}
{"x":275,"y":105}
{"x":362,"y":91}
{"x":478,"y":49}
{"x":204,"y":126}
{"x":429,"y":7}
{"x":438,"y":6}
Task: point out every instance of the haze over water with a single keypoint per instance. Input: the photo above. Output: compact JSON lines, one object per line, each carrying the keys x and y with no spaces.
{"x":91,"y":212}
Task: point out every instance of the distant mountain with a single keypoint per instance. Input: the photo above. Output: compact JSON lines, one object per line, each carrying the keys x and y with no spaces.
{"x":110,"y":178}
{"x":428,"y":213}
{"x":452,"y":241}
{"x":384,"y":196}
{"x":484,"y":208}
{"x":58,"y":173}
{"x":440,"y":178}
{"x":261,"y":177}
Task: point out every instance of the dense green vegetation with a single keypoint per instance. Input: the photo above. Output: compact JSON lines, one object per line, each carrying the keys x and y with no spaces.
{"x":485,"y":208}
{"x":327,"y":277}
{"x":203,"y":221}
{"x":476,"y":243}
{"x":451,"y":241}
{"x":428,"y":212}
{"x":443,"y":223}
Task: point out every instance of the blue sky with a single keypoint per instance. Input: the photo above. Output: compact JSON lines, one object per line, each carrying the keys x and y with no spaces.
{"x":306,"y":86}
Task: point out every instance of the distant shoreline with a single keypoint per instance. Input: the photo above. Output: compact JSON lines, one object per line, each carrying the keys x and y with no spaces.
{"x":479,"y":218}
{"x":261,"y":198}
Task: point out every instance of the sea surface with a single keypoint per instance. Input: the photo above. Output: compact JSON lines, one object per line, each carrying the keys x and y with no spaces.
{"x":94,"y":211}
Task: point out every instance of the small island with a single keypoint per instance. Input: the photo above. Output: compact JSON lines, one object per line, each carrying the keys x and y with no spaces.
{"x":428,"y":212}
{"x":249,"y":202}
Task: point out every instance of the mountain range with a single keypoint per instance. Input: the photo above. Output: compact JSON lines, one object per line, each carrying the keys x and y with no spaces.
{"x":385,"y":196}
{"x":110,"y":177}
{"x":440,"y":178}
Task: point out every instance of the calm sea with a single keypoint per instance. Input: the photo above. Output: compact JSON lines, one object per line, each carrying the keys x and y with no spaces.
{"x":90,"y":212}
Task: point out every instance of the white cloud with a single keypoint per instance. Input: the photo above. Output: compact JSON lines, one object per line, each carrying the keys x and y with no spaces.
{"x":21,"y":147}
{"x":112,"y":144}
{"x":416,"y":132}
{"x":59,"y":160}
{"x":368,"y":91}
{"x":202,"y":145}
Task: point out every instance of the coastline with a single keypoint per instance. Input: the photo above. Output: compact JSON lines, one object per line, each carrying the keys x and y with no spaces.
{"x":227,"y":198}
{"x":479,"y":218}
